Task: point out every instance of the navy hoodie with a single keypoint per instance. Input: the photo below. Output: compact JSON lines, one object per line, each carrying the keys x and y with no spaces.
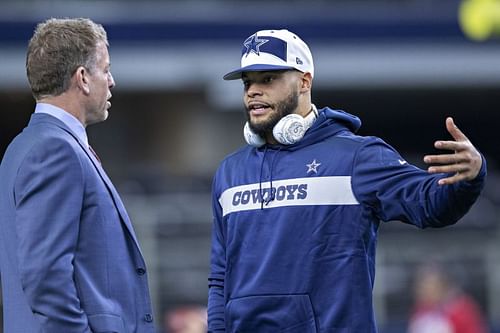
{"x":294,"y":233}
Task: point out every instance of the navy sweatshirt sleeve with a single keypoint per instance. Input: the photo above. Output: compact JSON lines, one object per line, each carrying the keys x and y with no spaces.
{"x":216,"y":302}
{"x":397,"y":190}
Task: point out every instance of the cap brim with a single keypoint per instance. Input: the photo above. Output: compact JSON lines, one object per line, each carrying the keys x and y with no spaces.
{"x":236,"y":74}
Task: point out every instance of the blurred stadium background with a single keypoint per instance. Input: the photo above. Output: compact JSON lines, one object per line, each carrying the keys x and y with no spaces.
{"x":402,"y":66}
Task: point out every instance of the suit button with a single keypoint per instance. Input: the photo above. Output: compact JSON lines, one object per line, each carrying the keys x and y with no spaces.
{"x":141,"y":271}
{"x":148,"y":317}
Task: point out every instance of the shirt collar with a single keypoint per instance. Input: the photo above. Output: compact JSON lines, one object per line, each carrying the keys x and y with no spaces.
{"x":67,"y":118}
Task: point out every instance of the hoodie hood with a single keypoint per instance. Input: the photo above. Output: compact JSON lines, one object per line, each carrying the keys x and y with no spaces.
{"x":340,"y":118}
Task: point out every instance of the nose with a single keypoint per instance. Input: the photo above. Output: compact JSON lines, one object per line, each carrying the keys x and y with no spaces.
{"x":111,"y":80}
{"x":253,"y":89}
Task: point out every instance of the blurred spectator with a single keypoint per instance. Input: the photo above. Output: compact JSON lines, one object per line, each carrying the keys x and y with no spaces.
{"x":186,"y":319}
{"x":441,"y":306}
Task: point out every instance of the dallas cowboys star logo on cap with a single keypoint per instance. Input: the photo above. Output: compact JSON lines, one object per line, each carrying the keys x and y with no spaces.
{"x":253,"y":44}
{"x":313,"y":166}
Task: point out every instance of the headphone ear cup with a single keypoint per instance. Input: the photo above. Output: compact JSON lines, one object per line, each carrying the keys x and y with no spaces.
{"x":290,"y":129}
{"x":252,"y":138}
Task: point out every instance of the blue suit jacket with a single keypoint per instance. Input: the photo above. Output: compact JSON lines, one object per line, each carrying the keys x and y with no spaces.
{"x":69,"y":258}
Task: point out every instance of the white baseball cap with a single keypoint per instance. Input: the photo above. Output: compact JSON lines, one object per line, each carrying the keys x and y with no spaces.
{"x":271,"y":50}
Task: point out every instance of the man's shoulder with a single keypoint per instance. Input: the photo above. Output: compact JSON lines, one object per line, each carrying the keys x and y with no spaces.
{"x":238,"y":155}
{"x":45,"y":135}
{"x":38,"y":140}
{"x":345,"y":141}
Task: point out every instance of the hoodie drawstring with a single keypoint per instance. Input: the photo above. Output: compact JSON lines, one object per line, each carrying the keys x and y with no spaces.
{"x":260,"y":178}
{"x":272,"y":193}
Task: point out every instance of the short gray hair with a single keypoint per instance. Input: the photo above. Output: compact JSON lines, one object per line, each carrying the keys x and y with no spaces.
{"x":58,"y":47}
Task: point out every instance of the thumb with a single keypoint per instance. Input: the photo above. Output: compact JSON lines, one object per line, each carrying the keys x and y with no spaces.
{"x":455,"y":132}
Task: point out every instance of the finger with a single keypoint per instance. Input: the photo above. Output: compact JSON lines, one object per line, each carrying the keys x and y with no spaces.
{"x":451,"y":145}
{"x":451,"y":180}
{"x":447,"y":158}
{"x":440,"y":159}
{"x":455,"y":132}
{"x":450,"y":168}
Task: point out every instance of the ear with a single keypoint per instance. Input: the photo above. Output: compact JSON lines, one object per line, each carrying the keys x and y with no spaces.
{"x":81,"y":77}
{"x":306,"y":82}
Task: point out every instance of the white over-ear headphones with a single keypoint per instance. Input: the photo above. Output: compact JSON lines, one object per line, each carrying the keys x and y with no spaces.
{"x":289,"y":130}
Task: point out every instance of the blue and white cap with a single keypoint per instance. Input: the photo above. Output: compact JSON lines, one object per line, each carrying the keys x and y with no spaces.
{"x":271,"y":50}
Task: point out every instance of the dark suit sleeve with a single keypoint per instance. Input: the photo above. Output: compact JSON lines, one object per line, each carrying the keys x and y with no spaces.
{"x":49,"y":197}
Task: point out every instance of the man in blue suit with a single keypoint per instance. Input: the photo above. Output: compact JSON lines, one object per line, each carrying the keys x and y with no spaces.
{"x":69,"y":257}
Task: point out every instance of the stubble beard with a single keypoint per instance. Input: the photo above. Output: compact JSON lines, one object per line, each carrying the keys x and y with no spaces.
{"x":97,"y":116}
{"x":281,"y":109}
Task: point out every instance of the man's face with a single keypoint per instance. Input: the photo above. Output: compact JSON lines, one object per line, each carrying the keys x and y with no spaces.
{"x":269,"y":96}
{"x":100,"y":83}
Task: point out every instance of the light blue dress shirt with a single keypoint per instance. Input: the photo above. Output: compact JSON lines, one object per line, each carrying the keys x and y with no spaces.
{"x":67,"y":118}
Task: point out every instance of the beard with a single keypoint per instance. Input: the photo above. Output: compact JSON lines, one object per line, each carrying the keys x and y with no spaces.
{"x":281,"y":109}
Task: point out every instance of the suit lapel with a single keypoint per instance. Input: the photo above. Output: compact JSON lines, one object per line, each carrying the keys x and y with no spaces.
{"x":109,"y":185}
{"x":111,"y":188}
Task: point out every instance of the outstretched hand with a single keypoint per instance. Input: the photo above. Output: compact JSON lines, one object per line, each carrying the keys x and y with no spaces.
{"x":465,"y":161}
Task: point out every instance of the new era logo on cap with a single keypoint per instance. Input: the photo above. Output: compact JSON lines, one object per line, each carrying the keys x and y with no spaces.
{"x":269,"y":50}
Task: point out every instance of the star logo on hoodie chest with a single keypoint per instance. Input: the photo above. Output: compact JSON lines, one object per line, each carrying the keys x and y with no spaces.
{"x":313,"y":166}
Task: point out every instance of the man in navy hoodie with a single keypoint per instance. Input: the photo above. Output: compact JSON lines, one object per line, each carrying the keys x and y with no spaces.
{"x":296,"y":211}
